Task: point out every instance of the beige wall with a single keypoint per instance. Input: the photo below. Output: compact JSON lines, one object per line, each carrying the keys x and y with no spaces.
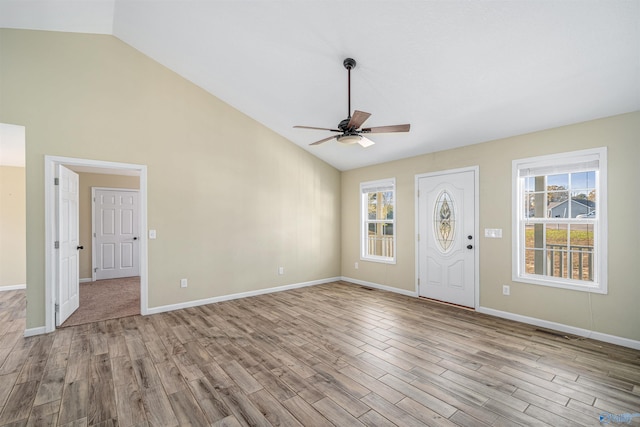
{"x":616,"y":313}
{"x":13,"y":216}
{"x":231,"y":200}
{"x":87,"y":181}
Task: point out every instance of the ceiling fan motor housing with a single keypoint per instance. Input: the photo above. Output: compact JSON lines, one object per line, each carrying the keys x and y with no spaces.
{"x":344,"y":124}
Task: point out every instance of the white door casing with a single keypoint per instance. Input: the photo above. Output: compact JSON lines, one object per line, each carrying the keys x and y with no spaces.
{"x":447,"y":246}
{"x":51,"y":229}
{"x":68,"y":269}
{"x":116,"y":240}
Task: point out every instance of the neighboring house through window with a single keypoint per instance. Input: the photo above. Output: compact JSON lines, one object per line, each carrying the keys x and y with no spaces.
{"x":377,"y":213}
{"x":559,"y":220}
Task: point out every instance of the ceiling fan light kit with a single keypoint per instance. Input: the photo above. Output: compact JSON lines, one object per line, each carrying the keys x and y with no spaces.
{"x":349,"y":139}
{"x":349,"y":129}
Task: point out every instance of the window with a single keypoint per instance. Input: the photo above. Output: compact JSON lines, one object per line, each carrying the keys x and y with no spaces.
{"x":559,"y":220}
{"x":378,"y":234}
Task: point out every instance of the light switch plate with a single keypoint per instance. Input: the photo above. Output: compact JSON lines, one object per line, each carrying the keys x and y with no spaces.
{"x":152,"y":234}
{"x":493,"y":233}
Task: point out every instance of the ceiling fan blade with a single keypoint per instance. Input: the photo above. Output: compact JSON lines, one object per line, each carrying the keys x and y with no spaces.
{"x":387,"y":129}
{"x":323,"y":140}
{"x":311,"y":127}
{"x":365,"y":142}
{"x":358,"y":118}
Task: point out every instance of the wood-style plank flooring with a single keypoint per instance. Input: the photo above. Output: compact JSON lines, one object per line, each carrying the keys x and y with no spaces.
{"x":334,"y":354}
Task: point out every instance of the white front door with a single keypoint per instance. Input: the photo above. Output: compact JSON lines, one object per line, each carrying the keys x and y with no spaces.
{"x":116,"y":240}
{"x":68,"y":298}
{"x":446,"y":227}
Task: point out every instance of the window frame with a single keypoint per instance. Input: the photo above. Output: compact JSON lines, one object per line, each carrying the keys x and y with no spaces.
{"x":365,"y":221}
{"x":562,"y":163}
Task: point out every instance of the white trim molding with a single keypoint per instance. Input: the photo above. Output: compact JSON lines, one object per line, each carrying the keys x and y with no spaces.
{"x":599,"y":336}
{"x":476,"y":227}
{"x":612,"y":339}
{"x":590,"y":160}
{"x":50,"y":164}
{"x":195,"y":303}
{"x":12,"y":288}
{"x":35,"y":331}
{"x":381,"y":287}
{"x":377,"y":186}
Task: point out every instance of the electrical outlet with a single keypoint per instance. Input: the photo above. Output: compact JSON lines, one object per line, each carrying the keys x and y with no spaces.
{"x":356,"y":265}
{"x":281,"y":270}
{"x":506,"y":290}
{"x":183,"y":283}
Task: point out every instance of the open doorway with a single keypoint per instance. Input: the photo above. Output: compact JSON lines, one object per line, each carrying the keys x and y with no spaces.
{"x":109,"y":238}
{"x":13,"y":214}
{"x":92,"y":170}
{"x":13,"y":230}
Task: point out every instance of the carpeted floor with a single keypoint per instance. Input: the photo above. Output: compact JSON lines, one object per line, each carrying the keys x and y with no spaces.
{"x":106,"y":299}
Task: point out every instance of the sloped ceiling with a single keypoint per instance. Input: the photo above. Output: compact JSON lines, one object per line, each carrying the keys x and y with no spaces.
{"x":461,"y":72}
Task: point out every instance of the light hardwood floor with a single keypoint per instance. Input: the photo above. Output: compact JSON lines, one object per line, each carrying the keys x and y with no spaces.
{"x":334,"y":354}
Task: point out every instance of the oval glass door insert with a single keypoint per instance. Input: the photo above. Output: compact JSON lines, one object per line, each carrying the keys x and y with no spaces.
{"x":444,"y":221}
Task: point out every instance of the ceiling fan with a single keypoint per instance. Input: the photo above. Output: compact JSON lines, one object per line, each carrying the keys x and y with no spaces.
{"x":349,"y":130}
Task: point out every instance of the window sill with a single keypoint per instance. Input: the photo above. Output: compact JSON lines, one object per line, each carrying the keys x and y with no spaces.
{"x":380,"y":260}
{"x":595,"y":288}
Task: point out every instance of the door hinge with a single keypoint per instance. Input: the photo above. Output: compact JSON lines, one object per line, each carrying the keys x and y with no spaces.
{"x":57,"y":308}
{"x":95,"y":270}
{"x":418,"y":237}
{"x":418,"y":281}
{"x":418,"y":193}
{"x":56,"y":181}
{"x":56,"y":245}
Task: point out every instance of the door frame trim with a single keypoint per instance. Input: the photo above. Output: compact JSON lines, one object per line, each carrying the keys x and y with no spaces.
{"x":94,"y":262}
{"x":476,"y":226}
{"x":51,"y":228}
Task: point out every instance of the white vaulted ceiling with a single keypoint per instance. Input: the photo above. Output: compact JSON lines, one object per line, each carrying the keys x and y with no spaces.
{"x":461,"y":72}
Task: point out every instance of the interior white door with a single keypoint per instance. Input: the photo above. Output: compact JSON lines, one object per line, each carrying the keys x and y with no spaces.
{"x":116,"y":239}
{"x":446,"y":222}
{"x":68,"y":298}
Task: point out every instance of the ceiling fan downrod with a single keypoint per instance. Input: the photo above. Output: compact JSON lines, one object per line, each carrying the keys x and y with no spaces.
{"x":349,"y":63}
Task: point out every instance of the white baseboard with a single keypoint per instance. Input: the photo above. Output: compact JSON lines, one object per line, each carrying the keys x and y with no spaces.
{"x":381,"y":287}
{"x":35,"y":331}
{"x":612,"y":339}
{"x":195,"y":303}
{"x":85,"y":280}
{"x":12,"y":287}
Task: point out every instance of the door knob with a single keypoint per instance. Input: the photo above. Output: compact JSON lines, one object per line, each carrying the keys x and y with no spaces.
{"x":469,"y":237}
{"x":469,"y":246}
{"x":80,"y":247}
{"x":135,"y":238}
